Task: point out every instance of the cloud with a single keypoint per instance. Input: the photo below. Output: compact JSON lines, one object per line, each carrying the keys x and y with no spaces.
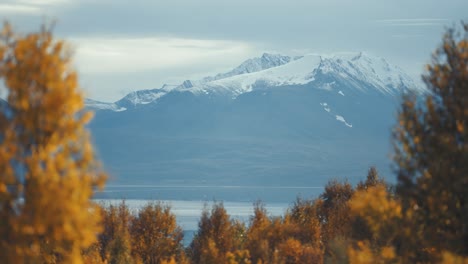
{"x":43,"y":2}
{"x":414,"y":22}
{"x":31,"y":7}
{"x":18,"y":9}
{"x":407,"y":36}
{"x":119,"y":55}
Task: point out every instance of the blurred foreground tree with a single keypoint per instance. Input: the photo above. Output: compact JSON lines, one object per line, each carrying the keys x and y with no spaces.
{"x":48,"y":170}
{"x":431,"y":144}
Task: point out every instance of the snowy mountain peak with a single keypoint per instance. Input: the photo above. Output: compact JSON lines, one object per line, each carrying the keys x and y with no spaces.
{"x":372,"y":70}
{"x":140,"y":97}
{"x":266,"y":61}
{"x":187,"y":84}
{"x":274,"y":60}
{"x":96,"y":105}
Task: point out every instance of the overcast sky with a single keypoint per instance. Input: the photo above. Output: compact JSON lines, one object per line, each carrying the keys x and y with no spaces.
{"x":122,"y":46}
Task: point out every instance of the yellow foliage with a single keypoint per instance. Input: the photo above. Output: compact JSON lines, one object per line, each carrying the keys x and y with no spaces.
{"x":379,"y":211}
{"x":238,"y":257}
{"x":156,"y":235}
{"x":295,"y":238}
{"x":170,"y":261}
{"x":217,"y":236}
{"x":450,"y":258}
{"x":431,"y":150}
{"x":291,"y":250}
{"x":363,"y":254}
{"x":93,"y":256}
{"x":210,"y":254}
{"x":47,"y":168}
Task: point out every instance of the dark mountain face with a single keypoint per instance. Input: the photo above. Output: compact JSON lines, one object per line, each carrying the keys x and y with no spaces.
{"x":282,"y":136}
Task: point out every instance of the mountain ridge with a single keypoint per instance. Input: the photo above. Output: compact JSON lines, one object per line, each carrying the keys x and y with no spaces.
{"x":278,"y":70}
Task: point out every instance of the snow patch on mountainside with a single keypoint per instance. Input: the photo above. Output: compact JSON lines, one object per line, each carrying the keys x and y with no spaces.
{"x":325,"y":107}
{"x":328,"y":86}
{"x":341,"y":119}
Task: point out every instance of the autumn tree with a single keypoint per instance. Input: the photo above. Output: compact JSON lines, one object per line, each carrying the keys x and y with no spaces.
{"x":302,"y":235}
{"x":294,"y":238}
{"x":92,"y":255}
{"x":431,"y":145}
{"x":333,"y":213}
{"x":115,"y":240}
{"x":425,"y":221}
{"x":218,"y":237}
{"x":303,"y":213}
{"x":381,"y":217}
{"x":373,"y":179}
{"x":257,"y":234}
{"x":360,"y":230}
{"x":156,"y":237}
{"x":48,"y":170}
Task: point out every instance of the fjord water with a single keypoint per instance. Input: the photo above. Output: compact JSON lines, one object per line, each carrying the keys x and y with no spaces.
{"x":231,"y":193}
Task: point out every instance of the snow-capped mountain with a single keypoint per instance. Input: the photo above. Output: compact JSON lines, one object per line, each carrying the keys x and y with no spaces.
{"x":278,"y":70}
{"x":273,"y":121}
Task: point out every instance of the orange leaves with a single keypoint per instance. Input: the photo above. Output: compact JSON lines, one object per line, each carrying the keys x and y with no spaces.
{"x":151,"y":236}
{"x":382,"y":214}
{"x":377,"y":209}
{"x":460,"y":126}
{"x":431,"y":149}
{"x":171,"y":261}
{"x":238,"y":257}
{"x":217,"y":235}
{"x":46,"y":149}
{"x":363,"y":254}
{"x":155,"y":234}
{"x":294,"y":238}
{"x":291,"y":250}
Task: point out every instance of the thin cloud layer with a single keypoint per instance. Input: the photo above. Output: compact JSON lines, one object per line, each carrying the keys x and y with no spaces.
{"x":18,"y":9}
{"x":31,"y":7}
{"x":411,"y":22}
{"x":127,"y":55}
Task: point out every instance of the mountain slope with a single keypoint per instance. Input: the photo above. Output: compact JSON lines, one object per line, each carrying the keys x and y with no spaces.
{"x":295,"y":124}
